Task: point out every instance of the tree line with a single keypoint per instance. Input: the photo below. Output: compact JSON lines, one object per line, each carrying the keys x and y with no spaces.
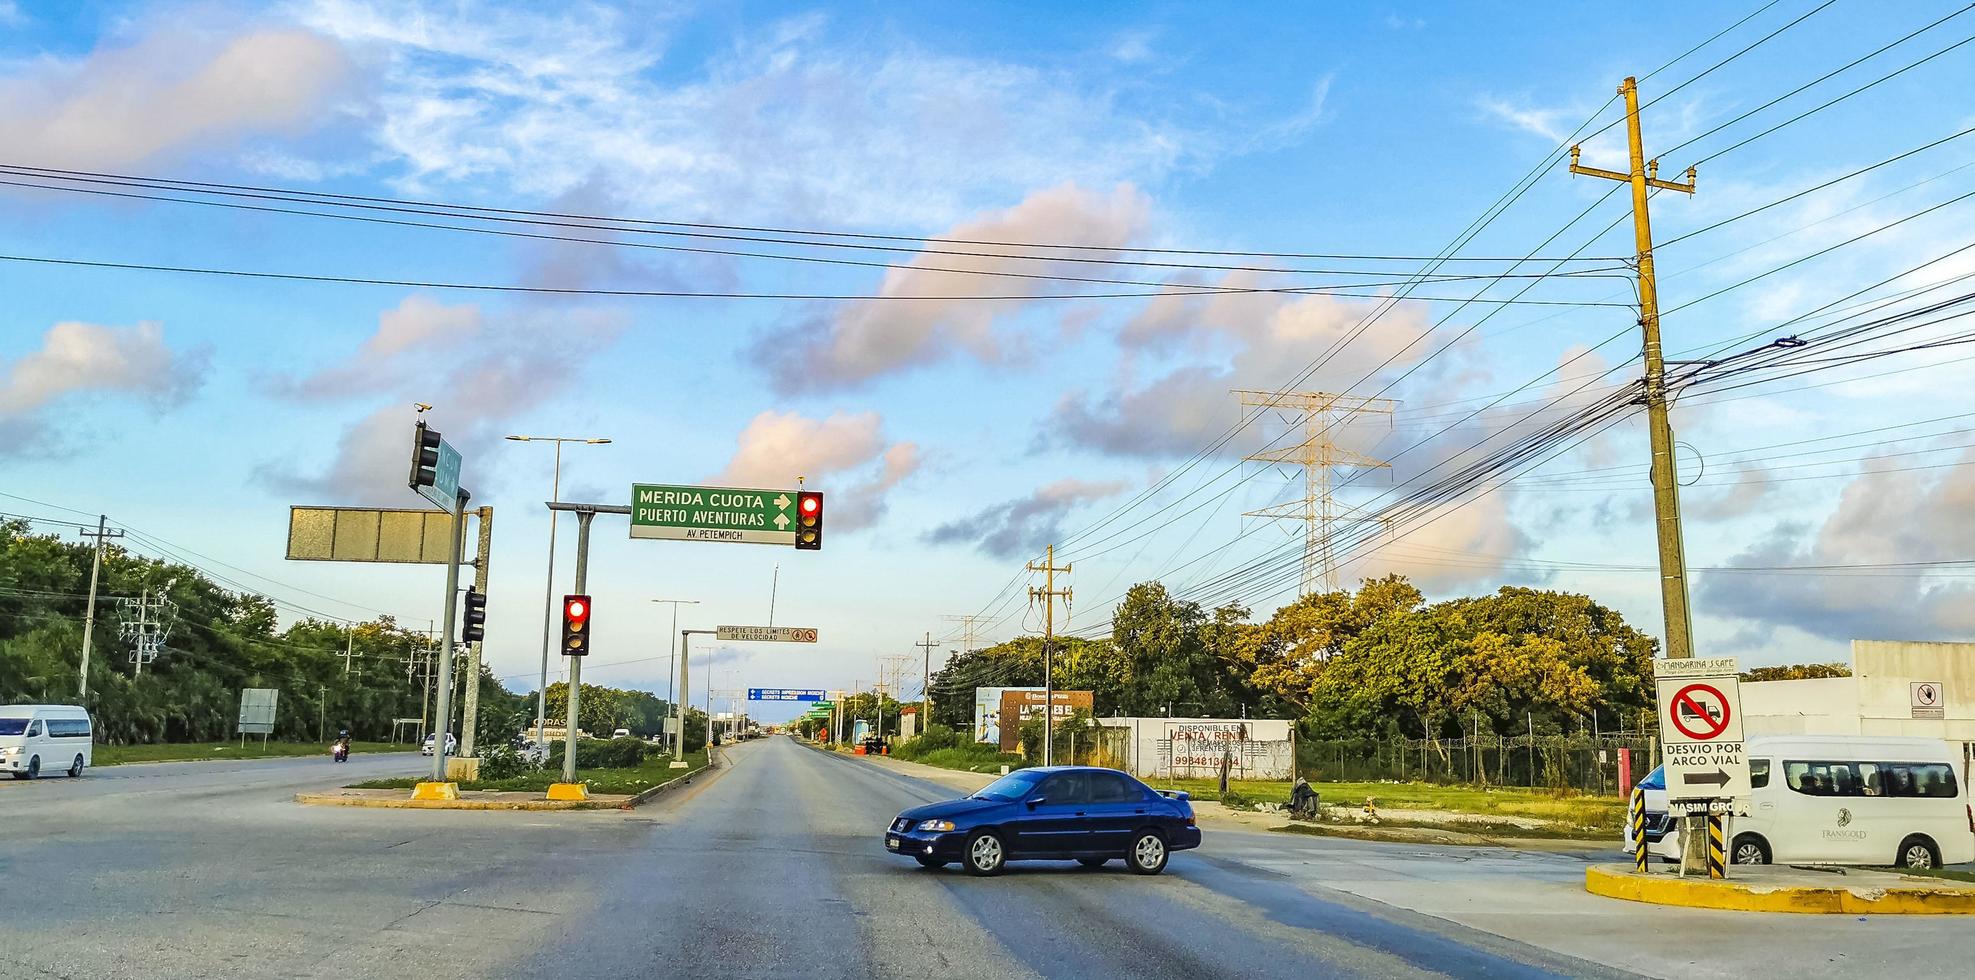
{"x":1378,"y":661}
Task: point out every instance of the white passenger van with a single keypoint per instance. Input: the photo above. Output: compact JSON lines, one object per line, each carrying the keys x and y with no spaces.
{"x":1838,"y":799}
{"x":37,"y":738}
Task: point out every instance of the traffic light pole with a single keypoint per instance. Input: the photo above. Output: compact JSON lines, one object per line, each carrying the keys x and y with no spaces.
{"x":583,"y":518}
{"x":470,"y":709}
{"x":444,"y":708}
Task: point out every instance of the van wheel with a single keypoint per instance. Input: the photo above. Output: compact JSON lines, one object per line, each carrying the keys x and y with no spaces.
{"x":75,"y":768}
{"x":1918,"y":852}
{"x":33,"y":766}
{"x":1749,"y":849}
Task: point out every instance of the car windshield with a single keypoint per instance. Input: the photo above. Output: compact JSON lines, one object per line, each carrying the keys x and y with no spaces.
{"x":12,"y":726}
{"x":1013,"y":786}
{"x":1655,"y":779}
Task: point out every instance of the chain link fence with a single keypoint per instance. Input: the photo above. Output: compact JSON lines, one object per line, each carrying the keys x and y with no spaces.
{"x":1585,"y":763}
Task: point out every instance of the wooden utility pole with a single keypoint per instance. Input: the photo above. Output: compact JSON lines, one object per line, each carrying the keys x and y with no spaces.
{"x":1666,"y":484}
{"x":1048,"y":594}
{"x":101,"y":534}
{"x":926,"y":685}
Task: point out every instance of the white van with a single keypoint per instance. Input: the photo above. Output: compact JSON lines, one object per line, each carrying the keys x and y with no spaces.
{"x":1838,"y":799}
{"x":35,"y":738}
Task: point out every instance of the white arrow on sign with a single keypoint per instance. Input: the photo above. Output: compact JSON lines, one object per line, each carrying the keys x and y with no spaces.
{"x":782,"y":501}
{"x":781,"y":521}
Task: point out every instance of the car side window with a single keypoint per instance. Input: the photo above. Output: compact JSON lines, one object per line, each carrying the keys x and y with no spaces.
{"x":1104,"y":788}
{"x":1758,"y":773}
{"x":1066,"y":787}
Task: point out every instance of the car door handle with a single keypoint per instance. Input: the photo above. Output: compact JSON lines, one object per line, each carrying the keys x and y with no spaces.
{"x":1080,"y":813}
{"x":1139,"y":810}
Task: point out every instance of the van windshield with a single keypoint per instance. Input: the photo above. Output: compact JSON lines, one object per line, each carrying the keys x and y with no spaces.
{"x":12,"y":726}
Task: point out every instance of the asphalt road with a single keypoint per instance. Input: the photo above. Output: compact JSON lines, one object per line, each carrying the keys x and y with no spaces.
{"x":775,"y":867}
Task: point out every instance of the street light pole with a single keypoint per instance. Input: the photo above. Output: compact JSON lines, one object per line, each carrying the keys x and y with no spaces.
{"x":672,"y":661}
{"x":548,"y":593}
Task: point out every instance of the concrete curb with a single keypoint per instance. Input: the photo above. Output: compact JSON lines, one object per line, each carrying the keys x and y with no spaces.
{"x":1873,"y":893}
{"x":399,"y":803}
{"x":674,"y":783}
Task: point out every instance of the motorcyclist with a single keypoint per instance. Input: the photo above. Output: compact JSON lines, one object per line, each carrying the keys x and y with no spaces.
{"x":1303,"y":800}
{"x":341,"y":747}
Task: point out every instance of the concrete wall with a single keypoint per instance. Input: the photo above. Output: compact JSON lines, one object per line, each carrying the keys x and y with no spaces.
{"x":1824,"y":706}
{"x":1886,"y":671}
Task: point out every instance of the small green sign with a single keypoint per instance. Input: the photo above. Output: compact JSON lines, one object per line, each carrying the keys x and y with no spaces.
{"x":734,"y":515}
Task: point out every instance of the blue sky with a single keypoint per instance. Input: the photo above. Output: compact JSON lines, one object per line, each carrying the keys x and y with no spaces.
{"x":956,"y":437}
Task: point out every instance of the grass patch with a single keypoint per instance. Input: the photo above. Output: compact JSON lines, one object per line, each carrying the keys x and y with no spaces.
{"x":654,"y":771}
{"x":1947,"y":873}
{"x":115,"y":755}
{"x":968,"y":758}
{"x":1566,"y":814}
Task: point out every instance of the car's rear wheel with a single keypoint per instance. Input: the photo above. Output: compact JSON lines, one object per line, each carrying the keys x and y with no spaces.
{"x":930,"y":862}
{"x":1918,"y":852}
{"x":1148,"y":853}
{"x":75,"y":768}
{"x":1748,"y":849}
{"x":986,"y":855}
{"x":1092,"y":862}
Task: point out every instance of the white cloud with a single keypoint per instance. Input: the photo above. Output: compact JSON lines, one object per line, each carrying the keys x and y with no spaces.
{"x":497,"y":369}
{"x":173,"y":90}
{"x":1743,"y":497}
{"x":542,"y":98}
{"x":418,"y":323}
{"x":1021,"y":527}
{"x":864,"y":340}
{"x":777,"y":447}
{"x":1451,"y":545}
{"x":85,"y":358}
{"x":1880,"y":518}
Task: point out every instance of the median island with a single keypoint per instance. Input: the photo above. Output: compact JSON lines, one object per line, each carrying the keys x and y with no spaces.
{"x":625,"y":773}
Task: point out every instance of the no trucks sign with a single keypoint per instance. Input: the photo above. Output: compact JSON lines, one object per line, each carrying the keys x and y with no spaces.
{"x":1700,"y":706}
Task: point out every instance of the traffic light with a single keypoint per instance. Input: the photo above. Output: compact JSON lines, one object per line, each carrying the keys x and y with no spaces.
{"x":424,"y":457}
{"x":809,"y":521}
{"x":475,"y":628}
{"x":575,"y":626}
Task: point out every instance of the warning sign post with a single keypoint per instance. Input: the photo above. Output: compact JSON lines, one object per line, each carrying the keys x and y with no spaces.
{"x":1700,"y":705}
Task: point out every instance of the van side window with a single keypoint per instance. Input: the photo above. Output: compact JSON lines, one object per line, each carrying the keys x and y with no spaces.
{"x":1816,"y":777}
{"x":34,"y":730}
{"x":1758,"y":773}
{"x":1869,"y":778}
{"x":68,"y":728}
{"x":1933,"y":780}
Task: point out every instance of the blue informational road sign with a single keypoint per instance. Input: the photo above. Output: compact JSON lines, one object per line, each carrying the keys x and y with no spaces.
{"x":782,"y":694}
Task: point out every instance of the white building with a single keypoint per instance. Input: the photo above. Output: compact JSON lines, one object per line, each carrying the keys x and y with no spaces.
{"x":1896,"y":688}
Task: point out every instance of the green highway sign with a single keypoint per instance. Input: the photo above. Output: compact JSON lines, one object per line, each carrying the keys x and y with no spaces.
{"x":733,"y":515}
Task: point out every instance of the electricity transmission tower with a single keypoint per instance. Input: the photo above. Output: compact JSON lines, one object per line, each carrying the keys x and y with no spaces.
{"x":967,"y":630}
{"x":1324,"y":415}
{"x":147,"y":625}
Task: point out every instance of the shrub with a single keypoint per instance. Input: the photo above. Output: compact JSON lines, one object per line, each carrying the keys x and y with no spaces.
{"x":616,"y":753}
{"x":503,"y":762}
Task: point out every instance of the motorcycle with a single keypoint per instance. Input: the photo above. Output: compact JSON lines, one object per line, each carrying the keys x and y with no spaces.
{"x":340,"y":751}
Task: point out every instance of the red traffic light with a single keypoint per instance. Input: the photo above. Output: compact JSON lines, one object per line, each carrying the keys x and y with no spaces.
{"x":575,"y":625}
{"x":809,"y":515}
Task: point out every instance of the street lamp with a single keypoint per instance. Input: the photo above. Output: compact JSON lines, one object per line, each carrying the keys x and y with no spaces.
{"x":548,"y":598}
{"x":672,"y":662}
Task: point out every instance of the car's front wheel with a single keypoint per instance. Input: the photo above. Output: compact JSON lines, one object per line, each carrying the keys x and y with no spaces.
{"x":986,"y":855}
{"x":1148,"y":853}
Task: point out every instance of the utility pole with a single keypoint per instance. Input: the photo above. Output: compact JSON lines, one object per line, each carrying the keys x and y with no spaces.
{"x":926,"y":686}
{"x":470,"y":712}
{"x":1666,"y":483}
{"x":967,"y":635}
{"x":349,"y":648}
{"x":1048,"y":594}
{"x":672,"y":661}
{"x":1319,"y":455}
{"x":685,"y":693}
{"x":101,"y":534}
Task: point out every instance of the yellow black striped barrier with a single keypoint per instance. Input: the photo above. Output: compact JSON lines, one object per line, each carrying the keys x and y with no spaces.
{"x":1638,"y":819}
{"x":1717,"y":852}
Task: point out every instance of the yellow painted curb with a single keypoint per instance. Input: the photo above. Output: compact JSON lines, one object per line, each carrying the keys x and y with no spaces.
{"x":435,"y":791}
{"x":568,"y":792}
{"x":1911,"y":896}
{"x":400,"y":803}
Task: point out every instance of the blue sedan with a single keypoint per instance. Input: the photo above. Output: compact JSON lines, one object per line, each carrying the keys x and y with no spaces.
{"x":1060,"y":813}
